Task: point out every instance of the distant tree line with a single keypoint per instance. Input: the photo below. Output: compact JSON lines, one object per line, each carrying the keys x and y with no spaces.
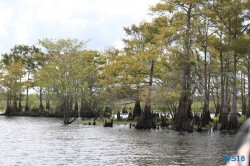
{"x":189,"y":49}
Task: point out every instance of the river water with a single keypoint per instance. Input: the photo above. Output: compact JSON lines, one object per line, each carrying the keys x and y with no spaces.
{"x":45,"y":141}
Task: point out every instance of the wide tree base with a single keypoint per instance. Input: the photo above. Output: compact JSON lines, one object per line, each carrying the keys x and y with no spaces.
{"x":146,"y":120}
{"x":233,"y":124}
{"x":224,"y":121}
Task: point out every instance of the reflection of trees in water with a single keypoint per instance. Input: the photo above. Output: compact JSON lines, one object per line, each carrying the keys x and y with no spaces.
{"x":92,"y":145}
{"x":181,"y":151}
{"x":201,"y":149}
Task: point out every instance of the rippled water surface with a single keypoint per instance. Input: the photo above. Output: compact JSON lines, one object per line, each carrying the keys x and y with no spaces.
{"x":45,"y":141}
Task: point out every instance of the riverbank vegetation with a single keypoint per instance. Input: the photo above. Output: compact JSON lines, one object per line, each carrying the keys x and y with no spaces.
{"x":190,"y":52}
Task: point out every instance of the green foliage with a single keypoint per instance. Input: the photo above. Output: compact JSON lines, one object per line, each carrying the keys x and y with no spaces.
{"x":216,"y":118}
{"x":33,"y":100}
{"x":241,"y":119}
{"x":70,"y":72}
{"x":2,"y":105}
{"x":10,"y":77}
{"x":182,"y":51}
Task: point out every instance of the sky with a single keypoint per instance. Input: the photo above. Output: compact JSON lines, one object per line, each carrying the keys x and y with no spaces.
{"x":100,"y":22}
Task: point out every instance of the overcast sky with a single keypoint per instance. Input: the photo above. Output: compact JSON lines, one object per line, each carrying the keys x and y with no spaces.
{"x":101,"y":21}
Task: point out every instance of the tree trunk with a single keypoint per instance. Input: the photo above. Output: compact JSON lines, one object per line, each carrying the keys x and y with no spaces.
{"x":47,"y":101}
{"x":222,"y":81}
{"x":243,"y":97}
{"x":248,"y":87}
{"x":20,"y":100}
{"x":27,"y":96}
{"x":146,"y":120}
{"x":181,"y":117}
{"x":217,"y":102}
{"x":41,"y":99}
{"x":137,"y":109}
{"x":224,"y":119}
{"x":82,"y":107}
{"x":233,"y":114}
{"x":206,"y":114}
{"x":20,"y":103}
{"x":65,"y":111}
{"x":10,"y":96}
{"x":8,"y":110}
{"x":76,"y":109}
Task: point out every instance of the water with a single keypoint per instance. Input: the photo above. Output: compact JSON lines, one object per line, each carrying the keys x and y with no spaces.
{"x":45,"y":141}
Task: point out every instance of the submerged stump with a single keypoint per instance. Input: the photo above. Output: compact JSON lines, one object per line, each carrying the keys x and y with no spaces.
{"x":108,"y":124}
{"x":118,"y":116}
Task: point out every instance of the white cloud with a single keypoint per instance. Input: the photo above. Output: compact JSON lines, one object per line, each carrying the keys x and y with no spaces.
{"x":102,"y":21}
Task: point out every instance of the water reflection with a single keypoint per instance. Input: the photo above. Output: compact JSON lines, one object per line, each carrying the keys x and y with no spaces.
{"x":44,"y":141}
